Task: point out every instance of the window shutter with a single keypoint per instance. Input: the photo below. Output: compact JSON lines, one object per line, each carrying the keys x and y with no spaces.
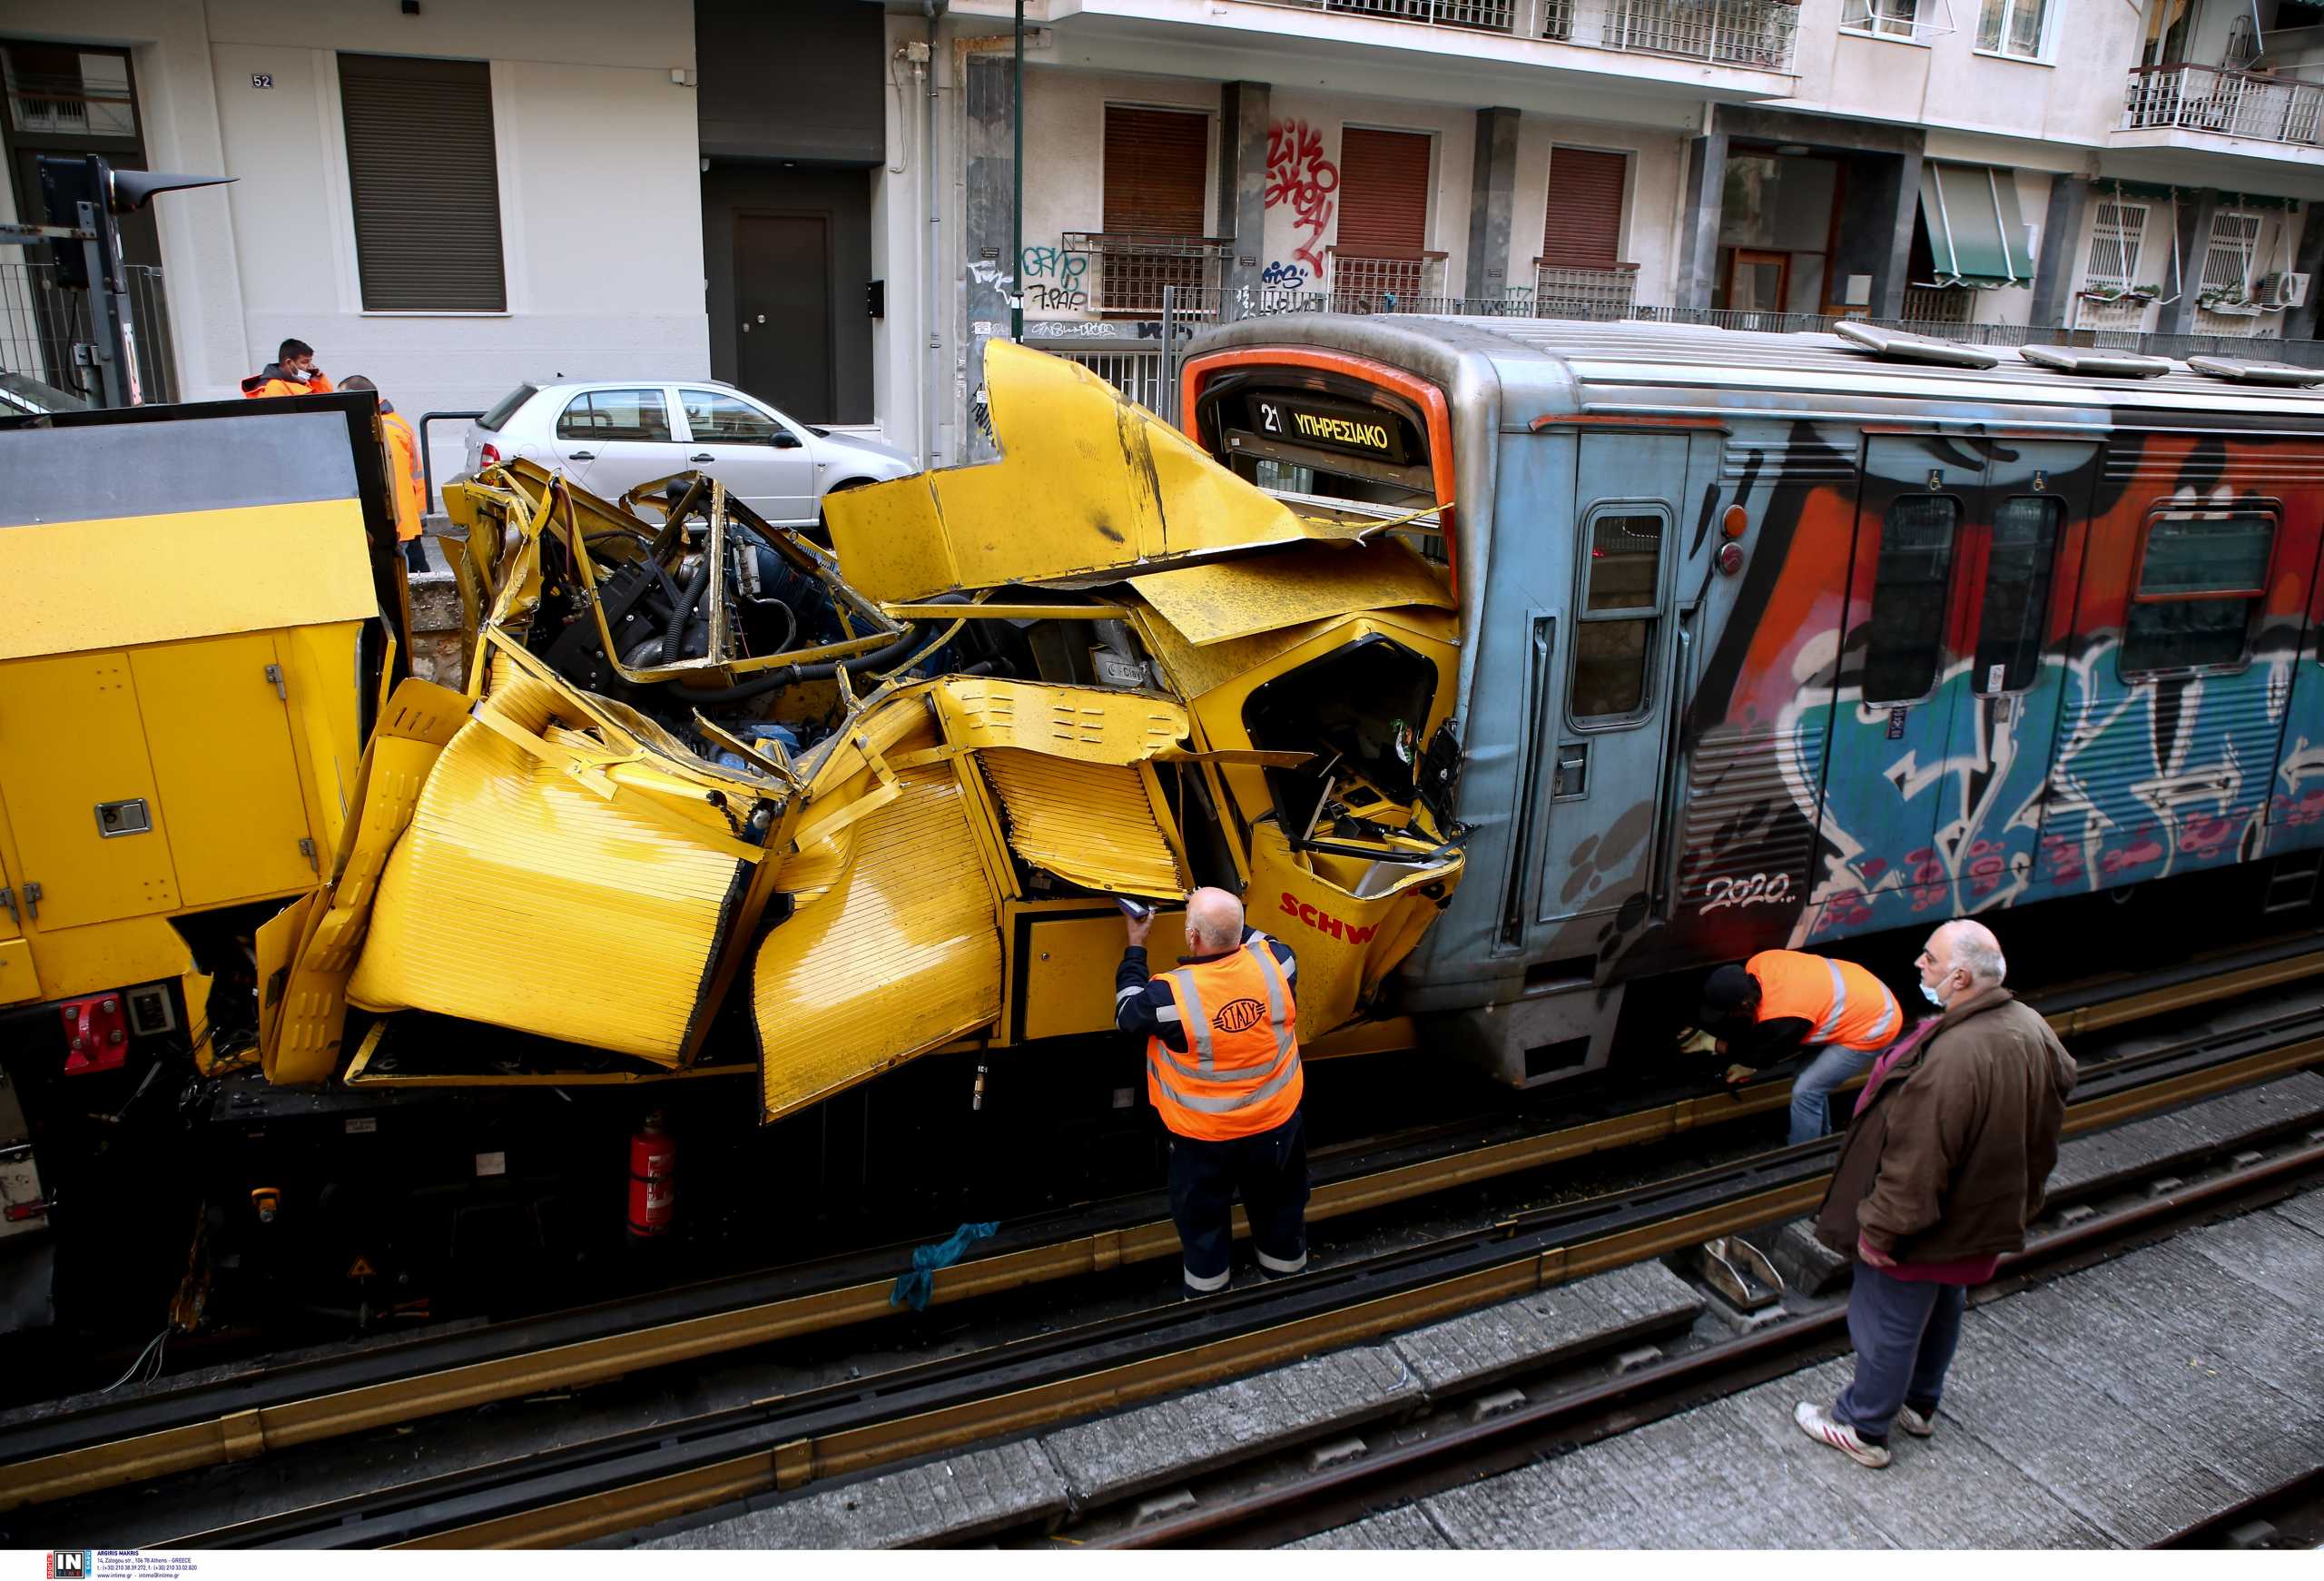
{"x":426,"y":189}
{"x":1156,"y":163}
{"x":1584,"y":227}
{"x":1383,"y":193}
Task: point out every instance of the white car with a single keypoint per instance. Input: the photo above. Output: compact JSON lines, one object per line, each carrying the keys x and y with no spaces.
{"x":611,"y":435}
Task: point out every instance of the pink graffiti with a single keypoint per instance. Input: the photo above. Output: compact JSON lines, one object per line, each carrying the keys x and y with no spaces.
{"x":1987,"y":863}
{"x":1927,"y":874}
{"x":1299,"y":174}
{"x":1873,"y":867}
{"x":2306,"y":810}
{"x":2205,"y":837}
{"x":2147,"y":850}
{"x":2065,"y":858}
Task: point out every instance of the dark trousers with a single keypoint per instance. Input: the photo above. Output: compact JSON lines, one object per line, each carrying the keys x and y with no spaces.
{"x":1904,"y":1332}
{"x":1270,"y":1172}
{"x":414,"y":554}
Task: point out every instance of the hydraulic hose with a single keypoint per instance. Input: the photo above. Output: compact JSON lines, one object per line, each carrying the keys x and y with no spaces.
{"x":758,"y":685}
{"x":674,"y":636}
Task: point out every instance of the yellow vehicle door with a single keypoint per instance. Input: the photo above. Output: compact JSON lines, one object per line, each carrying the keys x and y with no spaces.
{"x":71,"y":758}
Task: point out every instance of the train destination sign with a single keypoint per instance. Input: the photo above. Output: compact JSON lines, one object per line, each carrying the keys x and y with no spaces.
{"x":1361,"y":431}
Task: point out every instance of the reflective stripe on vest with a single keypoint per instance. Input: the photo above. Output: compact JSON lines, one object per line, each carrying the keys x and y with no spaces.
{"x":1234,"y":1080}
{"x":1846,"y":1005}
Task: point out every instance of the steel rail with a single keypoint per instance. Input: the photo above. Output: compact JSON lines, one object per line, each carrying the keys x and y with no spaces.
{"x":635,"y":1479}
{"x":1333,"y":1495}
{"x":71,"y":1455}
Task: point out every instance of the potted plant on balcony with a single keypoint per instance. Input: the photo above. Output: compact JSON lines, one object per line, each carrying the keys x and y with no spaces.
{"x":2111,"y":293}
{"x":2232,"y":300}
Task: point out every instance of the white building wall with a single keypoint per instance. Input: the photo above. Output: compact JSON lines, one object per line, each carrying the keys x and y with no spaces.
{"x":599,"y":188}
{"x":1651,"y":207}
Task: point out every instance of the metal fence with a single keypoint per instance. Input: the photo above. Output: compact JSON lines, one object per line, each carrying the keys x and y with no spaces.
{"x":45,"y":333}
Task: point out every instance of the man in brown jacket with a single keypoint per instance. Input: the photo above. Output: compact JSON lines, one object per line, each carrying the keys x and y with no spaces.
{"x":1942,"y":1167}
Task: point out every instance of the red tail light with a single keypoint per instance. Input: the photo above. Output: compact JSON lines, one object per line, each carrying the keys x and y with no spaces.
{"x":18,"y":1212}
{"x":491,"y":455}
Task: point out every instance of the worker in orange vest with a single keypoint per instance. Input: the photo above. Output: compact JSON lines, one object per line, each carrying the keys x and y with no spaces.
{"x":1222,"y":1068}
{"x":292,"y":372}
{"x":408,"y":483}
{"x":1782,"y":1004}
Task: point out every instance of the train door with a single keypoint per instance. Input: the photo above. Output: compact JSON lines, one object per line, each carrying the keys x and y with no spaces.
{"x":2296,"y":799}
{"x":2016,"y":597}
{"x":1600,"y":699}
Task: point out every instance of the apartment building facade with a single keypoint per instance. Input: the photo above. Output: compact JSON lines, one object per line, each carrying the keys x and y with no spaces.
{"x":819,"y":201}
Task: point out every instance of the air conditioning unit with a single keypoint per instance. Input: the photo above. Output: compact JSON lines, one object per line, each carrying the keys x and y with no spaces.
{"x":2281,"y":291}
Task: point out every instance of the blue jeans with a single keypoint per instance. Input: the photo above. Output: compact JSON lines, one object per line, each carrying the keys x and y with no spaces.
{"x":1904,"y":1332}
{"x":1811,"y":1094}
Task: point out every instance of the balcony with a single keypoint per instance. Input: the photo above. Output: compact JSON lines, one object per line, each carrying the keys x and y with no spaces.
{"x":2180,"y":98}
{"x":1369,"y":283}
{"x":1126,"y":274}
{"x":1753,"y":35}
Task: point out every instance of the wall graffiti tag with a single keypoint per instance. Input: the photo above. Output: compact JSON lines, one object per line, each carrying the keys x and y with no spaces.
{"x":1055,"y":280}
{"x":1284,"y":275}
{"x":1298,"y":174}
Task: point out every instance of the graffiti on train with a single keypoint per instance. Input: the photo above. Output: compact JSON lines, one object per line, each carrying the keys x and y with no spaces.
{"x":1756,"y":889}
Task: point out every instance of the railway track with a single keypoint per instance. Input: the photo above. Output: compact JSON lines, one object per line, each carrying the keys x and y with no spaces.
{"x":240,"y":1416}
{"x":628,"y":1480}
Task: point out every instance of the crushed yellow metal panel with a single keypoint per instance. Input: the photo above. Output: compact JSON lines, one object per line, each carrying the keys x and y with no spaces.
{"x":1090,"y":823}
{"x":262,"y":568}
{"x":1348,"y":936}
{"x":1193,"y":671}
{"x":1218,"y":601}
{"x":902,"y":955}
{"x":531,"y":892}
{"x":1116,"y":487}
{"x":300,"y":1042}
{"x":1093,"y":723}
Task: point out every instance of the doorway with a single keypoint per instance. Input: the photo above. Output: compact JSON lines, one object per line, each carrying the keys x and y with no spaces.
{"x":788,"y":252}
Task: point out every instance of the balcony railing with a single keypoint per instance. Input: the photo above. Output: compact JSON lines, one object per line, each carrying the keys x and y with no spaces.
{"x":1367,"y":283}
{"x":2232,"y":103}
{"x":1128,"y":273}
{"x":1563,"y":291}
{"x":1756,"y":35}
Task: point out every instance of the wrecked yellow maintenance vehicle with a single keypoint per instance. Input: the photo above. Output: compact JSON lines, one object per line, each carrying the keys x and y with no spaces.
{"x":718,"y":798}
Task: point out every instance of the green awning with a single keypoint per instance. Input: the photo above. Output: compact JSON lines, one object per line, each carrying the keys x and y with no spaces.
{"x":1974,"y":229}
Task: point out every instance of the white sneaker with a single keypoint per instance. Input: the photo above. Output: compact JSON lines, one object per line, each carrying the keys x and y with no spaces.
{"x":1917,"y":1425}
{"x":1819,"y":1425}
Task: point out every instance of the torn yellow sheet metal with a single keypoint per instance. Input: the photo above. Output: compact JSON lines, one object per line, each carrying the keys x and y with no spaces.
{"x":1091,"y":823}
{"x":552,"y":881}
{"x":1085,"y":482}
{"x":1094,"y":724}
{"x":1220,"y":600}
{"x":902,"y":956}
{"x":1350,"y":926}
{"x":299,"y":1031}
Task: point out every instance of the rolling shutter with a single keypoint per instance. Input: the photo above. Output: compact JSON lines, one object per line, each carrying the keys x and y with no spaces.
{"x":1383,"y":193}
{"x":426,"y":187}
{"x":1155,"y":161}
{"x":1584,"y":228}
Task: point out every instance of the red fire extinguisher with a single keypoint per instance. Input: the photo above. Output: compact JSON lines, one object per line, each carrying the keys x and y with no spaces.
{"x":653,"y":1185}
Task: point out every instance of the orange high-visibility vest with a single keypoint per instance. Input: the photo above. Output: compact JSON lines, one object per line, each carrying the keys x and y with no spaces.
{"x":410,"y":491}
{"x":1240,"y":1073}
{"x":259,"y":384}
{"x":1841,"y":1002}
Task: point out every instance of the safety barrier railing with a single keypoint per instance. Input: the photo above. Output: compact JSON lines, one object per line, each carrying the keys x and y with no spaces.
{"x":1363,"y":282}
{"x":1566,"y":291}
{"x":2195,"y":98}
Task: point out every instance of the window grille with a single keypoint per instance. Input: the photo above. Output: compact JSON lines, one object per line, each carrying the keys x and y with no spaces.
{"x":2227,"y":259}
{"x":2114,"y":244}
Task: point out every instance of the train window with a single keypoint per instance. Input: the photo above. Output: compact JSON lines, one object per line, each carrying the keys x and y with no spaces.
{"x":1908,"y":592}
{"x":2199,"y":580}
{"x":1613,"y":639}
{"x":2017,"y":591}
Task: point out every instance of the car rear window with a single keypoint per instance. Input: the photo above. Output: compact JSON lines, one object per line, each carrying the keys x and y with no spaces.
{"x":506,"y":407}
